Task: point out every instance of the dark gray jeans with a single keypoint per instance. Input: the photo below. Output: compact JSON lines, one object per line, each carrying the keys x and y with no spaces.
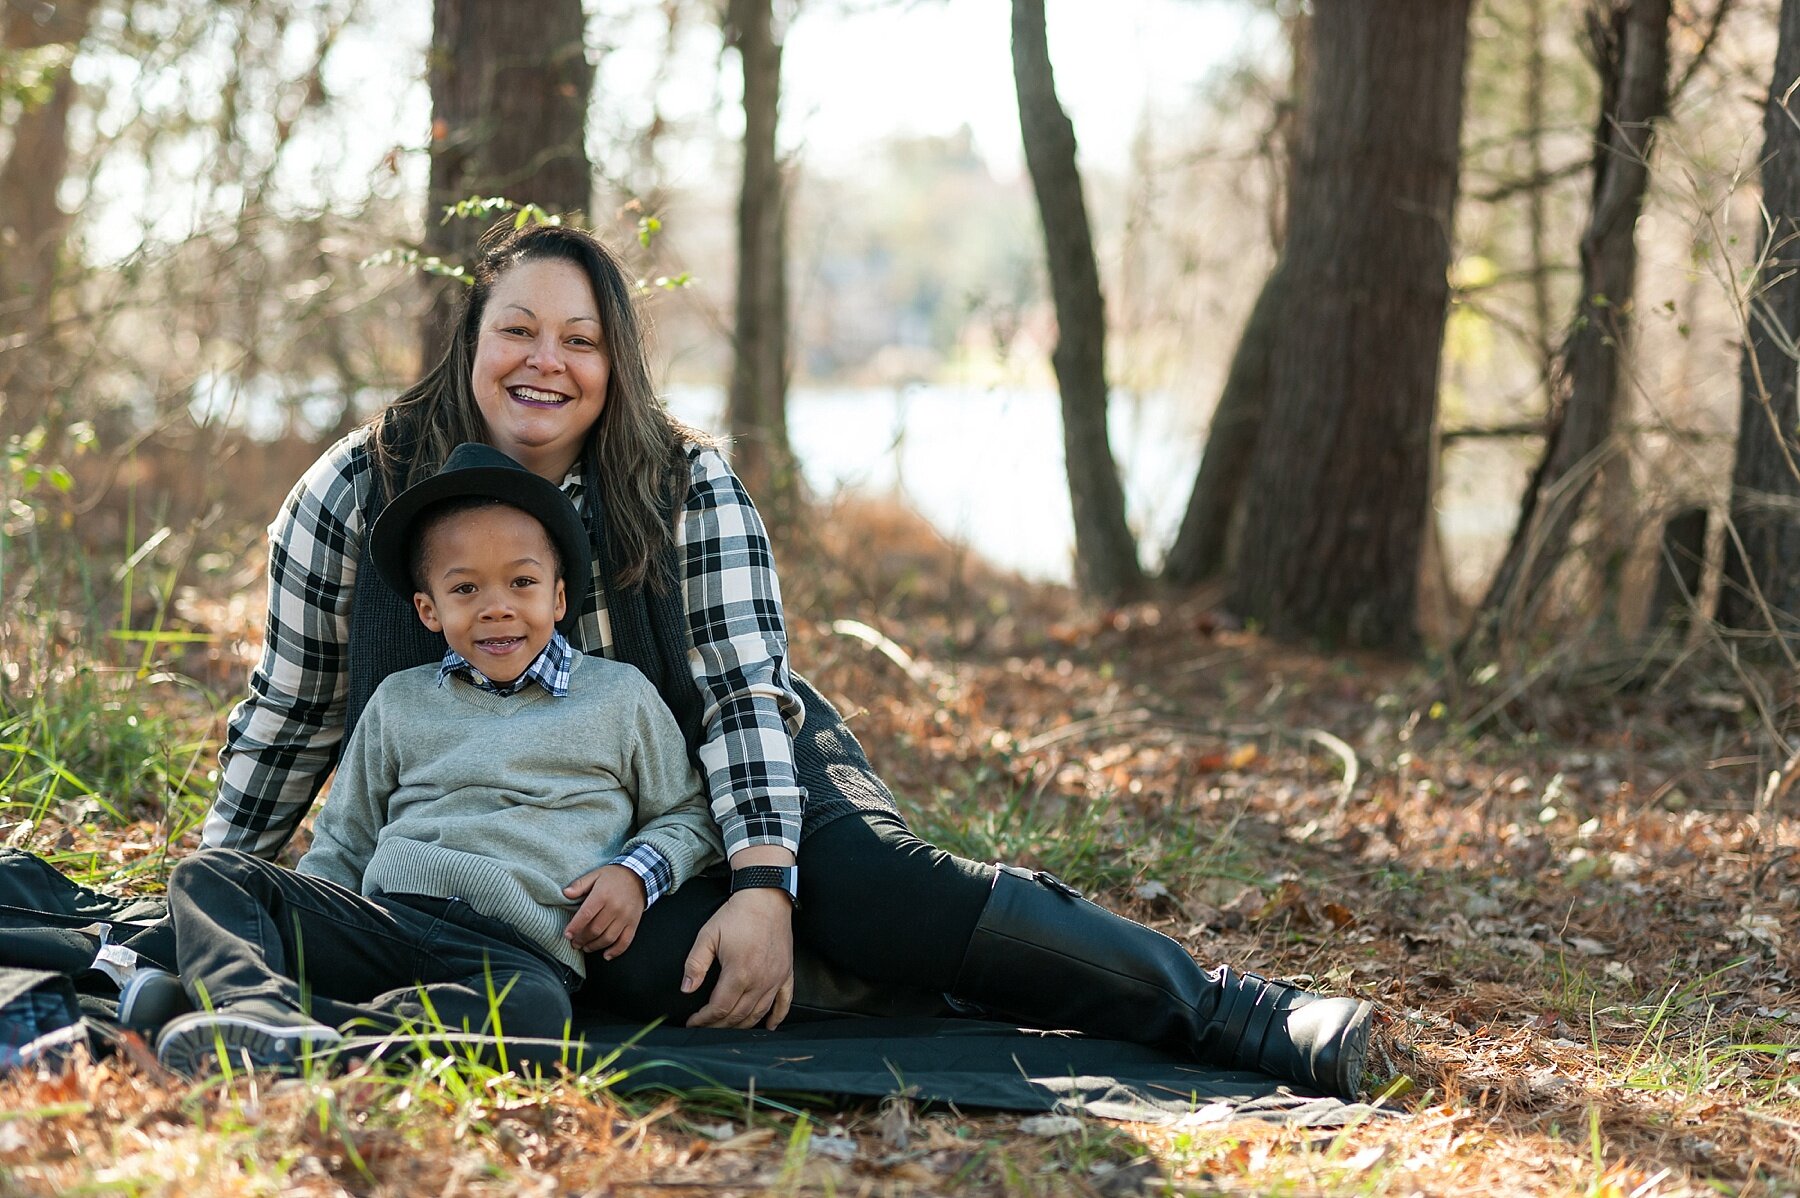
{"x":248,"y":931}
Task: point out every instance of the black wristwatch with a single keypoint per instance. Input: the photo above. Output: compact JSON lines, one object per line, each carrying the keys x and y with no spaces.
{"x":768,"y":877}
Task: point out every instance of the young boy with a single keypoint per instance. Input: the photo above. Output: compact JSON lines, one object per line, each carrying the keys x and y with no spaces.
{"x":437,"y":889}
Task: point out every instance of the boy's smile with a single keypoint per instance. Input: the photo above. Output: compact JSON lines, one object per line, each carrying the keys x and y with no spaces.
{"x":493,"y":589}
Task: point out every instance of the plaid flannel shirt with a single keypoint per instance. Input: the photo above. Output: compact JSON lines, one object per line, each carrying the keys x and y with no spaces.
{"x":283,"y":738}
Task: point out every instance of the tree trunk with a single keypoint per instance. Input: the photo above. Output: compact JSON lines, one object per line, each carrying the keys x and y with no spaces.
{"x":1205,"y":544}
{"x":1762,"y":547}
{"x":32,"y":226}
{"x":1586,"y":383}
{"x":509,"y":95}
{"x":756,"y":412}
{"x":1106,"y":563}
{"x":1340,"y":480}
{"x":1202,"y":547}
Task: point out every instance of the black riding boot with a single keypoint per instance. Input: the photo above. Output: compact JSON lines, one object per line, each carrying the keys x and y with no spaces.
{"x":1044,"y":955}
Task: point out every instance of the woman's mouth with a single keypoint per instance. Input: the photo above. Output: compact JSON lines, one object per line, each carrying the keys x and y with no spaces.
{"x":531,"y":397}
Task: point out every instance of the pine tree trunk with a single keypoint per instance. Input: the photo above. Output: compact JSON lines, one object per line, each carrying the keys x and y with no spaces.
{"x":1587,"y":382}
{"x":756,"y":412}
{"x":1340,"y":481}
{"x":509,"y":95}
{"x":1762,"y":549}
{"x":32,"y":225}
{"x":1106,"y":563}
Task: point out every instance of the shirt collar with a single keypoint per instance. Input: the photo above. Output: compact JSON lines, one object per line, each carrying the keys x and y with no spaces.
{"x":550,"y":670}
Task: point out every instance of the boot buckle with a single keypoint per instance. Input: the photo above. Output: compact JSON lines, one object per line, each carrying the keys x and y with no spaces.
{"x":1045,"y":878}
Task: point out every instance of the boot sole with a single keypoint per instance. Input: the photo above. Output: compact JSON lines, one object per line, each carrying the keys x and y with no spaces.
{"x":191,"y":1042}
{"x":1347,"y":1078}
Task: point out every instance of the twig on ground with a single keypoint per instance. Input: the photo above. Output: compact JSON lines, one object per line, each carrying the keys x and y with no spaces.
{"x":1345,"y":754}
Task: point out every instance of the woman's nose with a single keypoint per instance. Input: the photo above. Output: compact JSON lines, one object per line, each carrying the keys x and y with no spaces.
{"x":546,"y":356}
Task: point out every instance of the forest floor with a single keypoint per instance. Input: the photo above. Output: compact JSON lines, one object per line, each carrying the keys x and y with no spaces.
{"x":1569,"y":888}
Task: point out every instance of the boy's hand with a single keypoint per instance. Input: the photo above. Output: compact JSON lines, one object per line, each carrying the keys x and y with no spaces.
{"x":612,"y":903}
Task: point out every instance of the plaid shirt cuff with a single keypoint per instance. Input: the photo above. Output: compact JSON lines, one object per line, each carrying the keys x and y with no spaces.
{"x":648,"y":863}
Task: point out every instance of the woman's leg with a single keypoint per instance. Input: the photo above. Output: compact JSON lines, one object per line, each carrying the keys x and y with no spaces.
{"x":881,"y":903}
{"x":887,"y":905}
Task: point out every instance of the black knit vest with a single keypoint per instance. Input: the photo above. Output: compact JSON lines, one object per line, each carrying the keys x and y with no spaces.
{"x":649,"y":631}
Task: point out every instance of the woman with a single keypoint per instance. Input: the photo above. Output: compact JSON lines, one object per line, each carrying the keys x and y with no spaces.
{"x":547,"y":364}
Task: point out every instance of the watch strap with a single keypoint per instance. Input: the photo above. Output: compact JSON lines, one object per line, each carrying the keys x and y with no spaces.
{"x":785,"y":878}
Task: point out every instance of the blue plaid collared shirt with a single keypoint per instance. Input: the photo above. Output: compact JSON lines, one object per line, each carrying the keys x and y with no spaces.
{"x":282,"y":740}
{"x":549,"y":669}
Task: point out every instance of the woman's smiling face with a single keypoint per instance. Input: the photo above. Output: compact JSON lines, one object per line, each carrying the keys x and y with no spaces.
{"x":540,"y":365}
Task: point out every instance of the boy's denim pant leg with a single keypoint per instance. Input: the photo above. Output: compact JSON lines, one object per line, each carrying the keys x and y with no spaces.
{"x":250,"y":931}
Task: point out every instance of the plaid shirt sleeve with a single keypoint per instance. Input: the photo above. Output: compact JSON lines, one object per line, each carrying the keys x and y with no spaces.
{"x":652,"y":868}
{"x":283,"y":739}
{"x":739,"y":660}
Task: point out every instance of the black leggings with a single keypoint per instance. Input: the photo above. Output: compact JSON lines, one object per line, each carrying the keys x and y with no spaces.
{"x":875,"y":901}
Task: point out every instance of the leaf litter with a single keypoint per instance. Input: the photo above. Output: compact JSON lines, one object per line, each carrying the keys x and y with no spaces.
{"x":1578,"y":923}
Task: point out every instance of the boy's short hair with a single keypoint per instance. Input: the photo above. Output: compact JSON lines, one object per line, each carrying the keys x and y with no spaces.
{"x":428,"y":519}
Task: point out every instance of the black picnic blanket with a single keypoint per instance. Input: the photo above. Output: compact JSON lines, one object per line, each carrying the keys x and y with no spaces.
{"x":965,"y":1062}
{"x":50,"y":926}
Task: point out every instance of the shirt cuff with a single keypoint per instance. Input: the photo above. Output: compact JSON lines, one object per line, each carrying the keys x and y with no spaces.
{"x":648,"y":863}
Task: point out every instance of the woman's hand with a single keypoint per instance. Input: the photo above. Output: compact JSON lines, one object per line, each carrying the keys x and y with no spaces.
{"x":612,"y":904}
{"x":752,"y":938}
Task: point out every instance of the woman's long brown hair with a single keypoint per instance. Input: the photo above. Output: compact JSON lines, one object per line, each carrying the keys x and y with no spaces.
{"x":637,"y":446}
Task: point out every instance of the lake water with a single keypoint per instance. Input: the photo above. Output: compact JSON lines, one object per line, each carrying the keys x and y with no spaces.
{"x":985,"y":466}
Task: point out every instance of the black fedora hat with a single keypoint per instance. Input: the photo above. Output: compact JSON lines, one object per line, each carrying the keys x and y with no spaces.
{"x":481,"y":471}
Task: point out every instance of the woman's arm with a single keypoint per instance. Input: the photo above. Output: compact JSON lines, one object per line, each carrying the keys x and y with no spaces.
{"x":349,"y":825}
{"x":739,"y":661}
{"x":283,"y":737}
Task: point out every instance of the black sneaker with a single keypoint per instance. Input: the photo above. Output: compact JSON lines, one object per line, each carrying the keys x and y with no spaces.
{"x":150,"y":999}
{"x":191,"y":1043}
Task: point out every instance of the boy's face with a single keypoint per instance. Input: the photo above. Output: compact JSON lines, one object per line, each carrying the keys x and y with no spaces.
{"x":493,"y":590}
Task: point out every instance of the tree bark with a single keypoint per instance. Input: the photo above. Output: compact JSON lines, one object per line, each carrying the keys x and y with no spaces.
{"x":1340,"y":480}
{"x":1202,"y":547}
{"x":32,"y":225}
{"x":756,"y":411}
{"x":1761,"y":592}
{"x":1587,"y":380}
{"x":509,"y":95}
{"x":1106,"y":563}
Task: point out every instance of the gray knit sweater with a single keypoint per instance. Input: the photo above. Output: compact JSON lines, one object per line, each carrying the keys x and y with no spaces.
{"x":503,"y":800}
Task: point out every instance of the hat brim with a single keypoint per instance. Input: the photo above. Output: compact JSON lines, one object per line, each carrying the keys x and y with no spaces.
{"x":391,"y":540}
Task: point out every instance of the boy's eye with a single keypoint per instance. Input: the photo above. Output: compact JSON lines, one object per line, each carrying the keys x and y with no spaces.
{"x":524,"y":580}
{"x":463,"y":588}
